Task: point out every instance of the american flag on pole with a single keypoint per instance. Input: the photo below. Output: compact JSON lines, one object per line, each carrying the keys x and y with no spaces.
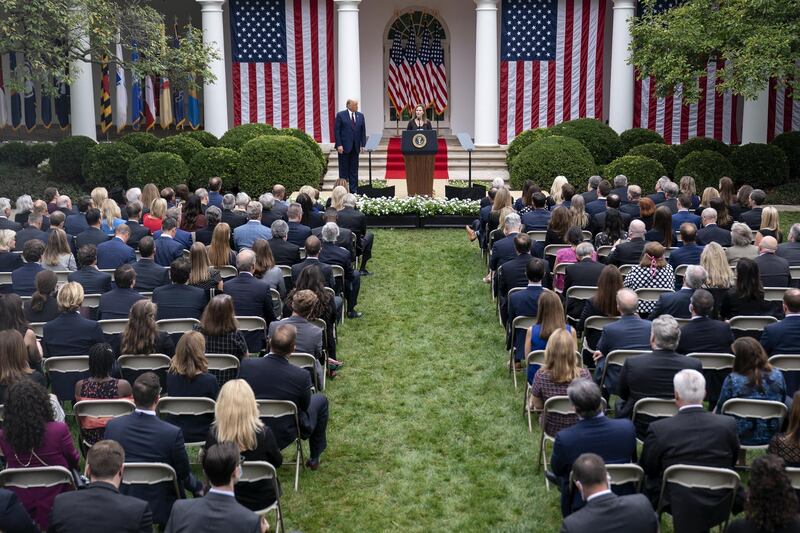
{"x":783,"y":113}
{"x":396,"y":88}
{"x":438,"y":76}
{"x":551,"y":67}
{"x":283,"y":64}
{"x":421,"y":70}
{"x":408,"y":72}
{"x":714,"y":115}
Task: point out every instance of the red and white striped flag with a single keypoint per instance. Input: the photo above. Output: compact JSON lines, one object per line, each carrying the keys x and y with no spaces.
{"x":398,"y":93}
{"x":551,"y":67}
{"x":438,"y":76}
{"x":283,"y":64}
{"x":784,"y":111}
{"x":149,"y":103}
{"x":409,"y":73}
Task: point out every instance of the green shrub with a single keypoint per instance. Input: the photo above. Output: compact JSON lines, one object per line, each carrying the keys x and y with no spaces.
{"x":309,"y":141}
{"x":106,"y":164}
{"x":66,"y":160}
{"x":706,"y":167}
{"x":17,"y":153}
{"x":163,"y":169}
{"x":640,"y":170}
{"x":601,"y":141}
{"x":39,"y":152}
{"x":638,"y":136}
{"x":271,"y":159}
{"x":208,"y":140}
{"x":143,"y":142}
{"x":759,"y":165}
{"x":523,"y":140}
{"x":216,"y":161}
{"x":786,"y":194}
{"x":549,"y":157}
{"x":790,"y":144}
{"x":662,"y":153}
{"x":16,"y":181}
{"x":180,"y":145}
{"x":698,"y":144}
{"x":236,"y":138}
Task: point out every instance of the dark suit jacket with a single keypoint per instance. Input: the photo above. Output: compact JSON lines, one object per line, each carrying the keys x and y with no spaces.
{"x":113,"y":253}
{"x":92,"y":280}
{"x":752,"y":218}
{"x":212,"y":512}
{"x":674,"y":303}
{"x":596,"y":206}
{"x":513,"y":274}
{"x":345,"y":239}
{"x":609,"y":513}
{"x":298,"y":233}
{"x":684,"y":216}
{"x":585,"y":272}
{"x":706,"y":335}
{"x":348,"y":135}
{"x":76,"y":224}
{"x":23,"y":279}
{"x":672,"y":203}
{"x":790,"y":251}
{"x":148,"y":439}
{"x":688,"y":254}
{"x":179,"y":301}
{"x":774,"y":270}
{"x":627,"y":253}
{"x":522,"y":303}
{"x":13,"y":516}
{"x":622,"y":192}
{"x":7,"y":223}
{"x":205,"y":235}
{"x":589,"y":196}
{"x":631,"y":209}
{"x":502,"y":250}
{"x":694,"y":437}
{"x":713,"y":233}
{"x":598,"y":221}
{"x":251,"y":297}
{"x":137,"y":232}
{"x":354,"y":220}
{"x":536,"y":219}
{"x":331,"y":254}
{"x":268,"y":216}
{"x":233,"y":218}
{"x":70,"y":334}
{"x":99,"y":507}
{"x":90,"y":236}
{"x":10,"y":261}
{"x":28,"y":234}
{"x":628,"y":333}
{"x":117,"y":303}
{"x":150,"y":275}
{"x":284,"y":252}
{"x":783,"y":337}
{"x":657,"y":198}
{"x":167,"y":250}
{"x":327,"y":272}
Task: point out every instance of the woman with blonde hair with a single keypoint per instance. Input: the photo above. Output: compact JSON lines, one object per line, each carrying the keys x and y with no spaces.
{"x":687,"y":186}
{"x":236,"y":420}
{"x":577,"y":212}
{"x":57,"y":255}
{"x":709,"y":193}
{"x":557,"y":189}
{"x":149,"y":193}
{"x":719,"y":275}
{"x":141,"y":335}
{"x":337,"y":197}
{"x":203,"y":275}
{"x":99,"y":196}
{"x":652,"y":272}
{"x":111,"y":216}
{"x":188,"y":377}
{"x":153,"y":219}
{"x":9,"y":261}
{"x":338,"y":183}
{"x":549,"y":319}
{"x":770,"y":225}
{"x":69,"y":333}
{"x":219,"y":251}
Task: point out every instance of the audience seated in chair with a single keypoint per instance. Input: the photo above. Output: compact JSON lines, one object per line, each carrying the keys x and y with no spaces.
{"x":13,"y":318}
{"x":332,"y":254}
{"x":784,"y":337}
{"x":549,"y":319}
{"x":741,"y":239}
{"x":345,"y":239}
{"x":57,"y":254}
{"x":677,"y":303}
{"x":284,"y":252}
{"x":115,"y":252}
{"x":268,"y":271}
{"x":356,"y":221}
{"x":15,"y":365}
{"x":689,"y":253}
{"x":753,"y":217}
{"x":179,"y":300}
{"x":93,"y":234}
{"x":149,"y":274}
{"x":23,"y":278}
{"x":298,"y":232}
{"x":746,"y":298}
{"x":569,"y":255}
{"x":313,"y":248}
{"x":141,"y":335}
{"x":117,"y":302}
{"x":773,"y":269}
{"x":771,"y":503}
{"x":525,"y":303}
{"x":309,"y":336}
{"x":251,"y":297}
{"x":70,"y":333}
{"x":42,"y":307}
{"x":167,"y":247}
{"x":702,"y":333}
{"x":651,"y":272}
{"x":326,"y":307}
{"x":220,"y":329}
{"x":9,"y":261}
{"x":586,"y":272}
{"x":791,"y":250}
{"x":683,"y":215}
{"x":246,"y":234}
{"x":711,"y":232}
{"x":33,"y":231}
{"x":91,"y":279}
{"x":630,"y":251}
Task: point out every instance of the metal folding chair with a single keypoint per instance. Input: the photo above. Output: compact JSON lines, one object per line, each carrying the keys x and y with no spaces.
{"x":228,"y":271}
{"x":519,"y":326}
{"x":750,"y":326}
{"x":64,"y":372}
{"x":258,"y":327}
{"x":101,"y":409}
{"x":223,"y":366}
{"x":133,"y":366}
{"x":699,"y":477}
{"x":151,"y":474}
{"x":533,"y":358}
{"x":794,"y":476}
{"x":655,"y":408}
{"x":554,"y":405}
{"x":774,"y":294}
{"x":38,"y":328}
{"x":196,"y":407}
{"x":177,"y":326}
{"x":308,"y":362}
{"x":36,"y":477}
{"x":755,"y":409}
{"x":272,"y":409}
{"x":617,"y":358}
{"x":620,"y":474}
{"x":624,"y":269}
{"x":651,"y":294}
{"x":538,"y":235}
{"x":256,"y":471}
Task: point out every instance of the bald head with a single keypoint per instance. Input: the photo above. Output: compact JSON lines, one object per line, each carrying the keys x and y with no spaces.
{"x":791,"y":301}
{"x":709,"y":216}
{"x":637,"y":229}
{"x":768,"y":245}
{"x":246,"y":261}
{"x":627,"y":301}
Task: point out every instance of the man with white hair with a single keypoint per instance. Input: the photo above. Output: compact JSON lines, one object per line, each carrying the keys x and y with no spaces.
{"x":503,"y":249}
{"x":659,"y":197}
{"x":134,"y":194}
{"x":268,"y":212}
{"x":283,"y":251}
{"x":585,"y":272}
{"x":620,"y":186}
{"x":710,"y":231}
{"x":203,"y":195}
{"x":332,"y":254}
{"x":591,"y":189}
{"x":790,"y":250}
{"x":671,"y":190}
{"x":354,"y":220}
{"x":692,"y":437}
{"x":245,"y":235}
{"x":630,"y":251}
{"x":5,"y":212}
{"x":630,"y":204}
{"x":64,"y":204}
{"x":677,"y":303}
{"x":230,"y":215}
{"x":774,"y":270}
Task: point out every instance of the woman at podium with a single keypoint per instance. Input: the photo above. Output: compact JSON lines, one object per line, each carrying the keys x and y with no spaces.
{"x":420,"y":121}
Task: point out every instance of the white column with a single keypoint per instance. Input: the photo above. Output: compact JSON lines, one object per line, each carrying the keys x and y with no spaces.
{"x":348,"y":60}
{"x":81,"y":99}
{"x":754,"y":118}
{"x":487,"y":60}
{"x":620,"y":109}
{"x":215,"y":93}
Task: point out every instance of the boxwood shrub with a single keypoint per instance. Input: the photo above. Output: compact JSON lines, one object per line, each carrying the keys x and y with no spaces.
{"x":16,"y":153}
{"x":759,"y":165}
{"x":521,"y":141}
{"x":106,"y":164}
{"x":142,"y":141}
{"x":236,"y":137}
{"x":180,"y":145}
{"x":309,"y":141}
{"x":640,"y":170}
{"x":208,"y":140}
{"x":66,"y":160}
{"x":271,"y":159}
{"x":698,"y":144}
{"x":601,"y":141}
{"x":790,"y":144}
{"x":549,"y":157}
{"x":638,"y":136}
{"x":39,"y":152}
{"x":706,"y":167}
{"x":215,"y":161}
{"x":161,"y":168}
{"x":662,"y":153}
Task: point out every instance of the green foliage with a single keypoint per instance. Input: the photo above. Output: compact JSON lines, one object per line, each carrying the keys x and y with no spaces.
{"x":208,"y":140}
{"x":236,"y":137}
{"x":309,"y":141}
{"x":272,"y":159}
{"x":706,"y":167}
{"x":786,"y":194}
{"x":39,"y":152}
{"x":16,"y":152}
{"x":547,"y":158}
{"x":760,"y":165}
{"x":216,"y":161}
{"x":106,"y":164}
{"x":601,"y":141}
{"x":662,"y":153}
{"x":163,"y":169}
{"x":66,"y":160}
{"x":180,"y":145}
{"x":637,"y":136}
{"x":521,"y":141}
{"x":640,"y":170}
{"x":143,"y":142}
{"x":790,"y":144}
{"x":698,"y":144}
{"x":16,"y":181}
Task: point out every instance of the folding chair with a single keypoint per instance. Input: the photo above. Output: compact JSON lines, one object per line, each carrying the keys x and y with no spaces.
{"x":286,"y":271}
{"x":595,"y":324}
{"x":5,"y":278}
{"x":91,"y":302}
{"x":520,"y":325}
{"x":228,"y":271}
{"x":187,"y":408}
{"x":750,"y":326}
{"x":578,"y":292}
{"x":64,"y":372}
{"x":795,"y":272}
{"x":320,"y":323}
{"x":223,"y":366}
{"x":651,"y":294}
{"x":257,"y":329}
{"x":277,"y":303}
{"x":147,"y":295}
{"x":114,"y":326}
{"x":790,"y":366}
{"x":133,"y":366}
{"x":101,"y":409}
{"x":794,"y":476}
{"x":36,"y":477}
{"x":38,"y":328}
{"x":338,"y":277}
{"x":587,"y":236}
{"x":655,"y":408}
{"x":699,"y":477}
{"x":716,"y":367}
{"x":680,"y":270}
{"x":2,"y":412}
{"x":62,"y":276}
{"x":308,"y":361}
{"x":620,"y":474}
{"x":551,"y":250}
{"x":176,"y":327}
{"x":534,"y":358}
{"x":511,"y":291}
{"x":256,"y":471}
{"x":774,"y":294}
{"x":617,"y":358}
{"x":604,"y":251}
{"x":272,"y":409}
{"x":668,"y":251}
{"x":755,"y":409}
{"x":151,"y":474}
{"x":624,"y":269}
{"x":559,"y":405}
{"x":538,"y":234}
{"x":560,"y":268}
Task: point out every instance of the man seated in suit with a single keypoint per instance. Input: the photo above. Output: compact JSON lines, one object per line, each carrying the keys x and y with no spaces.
{"x":503,"y":249}
{"x":630,"y":251}
{"x":599,"y":204}
{"x":213,"y":216}
{"x":631,"y":206}
{"x":630,"y":332}
{"x":620,"y":187}
{"x":684,"y":215}
{"x":148,"y":439}
{"x":214,"y":195}
{"x":5,"y":213}
{"x":57,"y":219}
{"x":659,"y":195}
{"x":75,"y":224}
{"x":753,"y":217}
{"x":244,"y":236}
{"x":598,"y":221}
{"x":345,"y":239}
{"x":99,"y":506}
{"x":313,"y":248}
{"x":309,"y":336}
{"x":612,"y":439}
{"x":689,"y":253}
{"x":117,"y":302}
{"x":691,"y":437}
{"x":93,"y":234}
{"x":273,"y":377}
{"x":268,"y":212}
{"x":179,"y":300}
{"x":149,"y":274}
{"x":23,"y":278}
{"x":591,"y":189}
{"x":116,"y":252}
{"x":218,"y":510}
{"x":283,"y":251}
{"x":167,"y":247}
{"x":356,"y":221}
{"x":604,"y":511}
{"x":231,"y":217}
{"x":710,"y":231}
{"x":585,"y":273}
{"x":525,"y":303}
{"x":677,"y":303}
{"x":539,"y":216}
{"x":134,"y":211}
{"x":92,"y":280}
{"x":774,"y":270}
{"x":784,"y":337}
{"x":671,"y":190}
{"x":790,"y":250}
{"x":183,"y":237}
{"x":298,"y":232}
{"x":33,"y":231}
{"x":513,"y":273}
{"x":331,"y":254}
{"x":703,"y":334}
{"x":281,"y":204}
{"x":251,"y":297}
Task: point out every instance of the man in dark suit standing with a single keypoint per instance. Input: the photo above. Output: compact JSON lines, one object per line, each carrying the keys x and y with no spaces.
{"x":251,"y":297}
{"x":148,"y":439}
{"x":134,"y":211}
{"x":273,"y":377}
{"x":604,"y":511}
{"x":345,"y":239}
{"x":218,"y":510}
{"x":116,"y":252}
{"x":168,"y":248}
{"x":117,"y":302}
{"x":284,"y":252}
{"x":31,"y":232}
{"x":710,"y":231}
{"x":356,"y":221}
{"x":298,"y":233}
{"x":790,"y":250}
{"x":149,"y":275}
{"x":784,"y":337}
{"x":93,"y":234}
{"x":331,"y":254}
{"x":92,"y":280}
{"x":753,"y":217}
{"x":179,"y":300}
{"x":599,"y":204}
{"x":99,"y":506}
{"x":630,"y":251}
{"x":689,"y":253}
{"x":23,"y":279}
{"x":75,"y":224}
{"x":525,"y":303}
{"x":313,"y":248}
{"x":677,"y":303}
{"x":232,"y":218}
{"x":773,"y":269}
{"x":691,"y":437}
{"x":5,"y":212}
{"x":350,"y":135}
{"x":585,"y":273}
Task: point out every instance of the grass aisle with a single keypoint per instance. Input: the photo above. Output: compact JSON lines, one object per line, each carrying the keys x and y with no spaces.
{"x":426,"y":430}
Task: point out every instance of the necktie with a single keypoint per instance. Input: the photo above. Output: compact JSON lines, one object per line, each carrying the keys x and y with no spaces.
{"x":353,"y":118}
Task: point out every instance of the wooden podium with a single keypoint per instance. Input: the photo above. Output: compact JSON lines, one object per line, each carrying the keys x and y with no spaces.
{"x":419,"y":149}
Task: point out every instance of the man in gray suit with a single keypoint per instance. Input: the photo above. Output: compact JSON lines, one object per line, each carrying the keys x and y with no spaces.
{"x":218,"y":510}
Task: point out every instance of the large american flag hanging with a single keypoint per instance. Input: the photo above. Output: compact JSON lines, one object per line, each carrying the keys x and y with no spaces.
{"x":417,"y":77}
{"x":551,"y":67}
{"x":783,"y":112}
{"x":283,"y":64}
{"x":714,"y":115}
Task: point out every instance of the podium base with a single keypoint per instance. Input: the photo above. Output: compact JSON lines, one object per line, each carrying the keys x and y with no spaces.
{"x":419,"y":174}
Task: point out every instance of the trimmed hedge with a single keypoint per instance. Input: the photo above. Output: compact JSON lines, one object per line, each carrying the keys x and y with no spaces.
{"x":16,"y":153}
{"x":638,"y":136}
{"x":208,"y":140}
{"x":698,"y":144}
{"x":106,"y":164}
{"x":547,"y":158}
{"x":309,"y":141}
{"x":161,"y":168}
{"x":522,"y":141}
{"x":760,"y":165}
{"x":706,"y":167}
{"x":215,"y":161}
{"x":236,"y":138}
{"x":66,"y":160}
{"x":143,"y":142}
{"x":640,"y":170}
{"x":272,"y":159}
{"x":180,"y":145}
{"x":16,"y":181}
{"x":790,"y":144}
{"x":662,"y":153}
{"x":601,"y":141}
{"x":39,"y":152}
